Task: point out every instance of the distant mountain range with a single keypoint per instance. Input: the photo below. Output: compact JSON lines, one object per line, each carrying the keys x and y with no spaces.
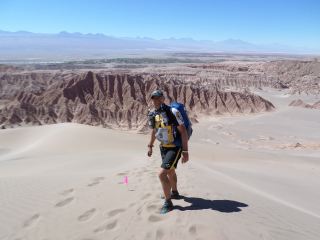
{"x":65,"y":45}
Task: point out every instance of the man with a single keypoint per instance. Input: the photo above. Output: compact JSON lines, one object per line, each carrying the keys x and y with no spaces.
{"x":168,"y":127}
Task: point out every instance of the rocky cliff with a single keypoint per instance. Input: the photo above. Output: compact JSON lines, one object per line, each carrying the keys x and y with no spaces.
{"x":112,"y":100}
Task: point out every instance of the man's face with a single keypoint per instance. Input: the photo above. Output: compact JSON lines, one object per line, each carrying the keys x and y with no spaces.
{"x":157,"y":101}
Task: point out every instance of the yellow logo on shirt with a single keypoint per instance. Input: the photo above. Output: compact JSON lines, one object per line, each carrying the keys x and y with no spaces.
{"x":164,"y":132}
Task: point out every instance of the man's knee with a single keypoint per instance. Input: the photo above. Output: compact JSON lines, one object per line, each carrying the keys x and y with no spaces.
{"x":163,"y":174}
{"x":171,"y":172}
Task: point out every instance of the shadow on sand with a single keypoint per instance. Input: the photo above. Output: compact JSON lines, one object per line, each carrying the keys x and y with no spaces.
{"x":226,"y":206}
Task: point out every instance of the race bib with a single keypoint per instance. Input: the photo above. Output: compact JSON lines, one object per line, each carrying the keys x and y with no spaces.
{"x":162,"y":135}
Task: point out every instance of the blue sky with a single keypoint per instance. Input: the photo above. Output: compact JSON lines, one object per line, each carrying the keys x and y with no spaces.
{"x":287,"y":22}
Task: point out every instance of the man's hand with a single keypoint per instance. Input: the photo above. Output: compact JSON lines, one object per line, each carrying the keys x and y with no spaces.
{"x":152,"y":139}
{"x":185,"y":157}
{"x":149,"y":152}
{"x":184,"y":138}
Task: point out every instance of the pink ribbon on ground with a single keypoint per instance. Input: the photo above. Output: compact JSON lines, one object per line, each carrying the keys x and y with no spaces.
{"x":125,"y":180}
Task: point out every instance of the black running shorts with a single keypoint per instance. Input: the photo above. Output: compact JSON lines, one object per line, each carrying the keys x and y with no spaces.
{"x":170,"y":157}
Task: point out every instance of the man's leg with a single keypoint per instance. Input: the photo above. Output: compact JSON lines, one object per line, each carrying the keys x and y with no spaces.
{"x":166,"y":187}
{"x":173,"y":179}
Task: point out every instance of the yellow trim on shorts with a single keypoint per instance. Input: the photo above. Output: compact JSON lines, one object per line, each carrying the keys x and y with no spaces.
{"x":172,"y":166}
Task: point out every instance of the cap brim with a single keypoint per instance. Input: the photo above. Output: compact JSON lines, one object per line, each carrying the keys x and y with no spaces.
{"x":155,"y":96}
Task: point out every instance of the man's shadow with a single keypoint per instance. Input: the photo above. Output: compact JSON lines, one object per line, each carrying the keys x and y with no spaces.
{"x":226,"y":206}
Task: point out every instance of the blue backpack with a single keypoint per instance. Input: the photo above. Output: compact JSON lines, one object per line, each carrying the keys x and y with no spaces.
{"x":187,"y":123}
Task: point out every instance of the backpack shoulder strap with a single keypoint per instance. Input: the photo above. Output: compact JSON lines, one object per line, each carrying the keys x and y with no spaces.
{"x":171,"y":117}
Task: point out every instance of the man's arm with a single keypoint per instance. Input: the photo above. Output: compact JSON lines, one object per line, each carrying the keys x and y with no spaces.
{"x":184,"y":138}
{"x":183,"y":133}
{"x":151,"y":142}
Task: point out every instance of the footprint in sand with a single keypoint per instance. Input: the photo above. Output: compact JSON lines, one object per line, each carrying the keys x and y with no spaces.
{"x":106,"y":227}
{"x":122,"y":174}
{"x":148,"y":236}
{"x":132,"y":204}
{"x":143,"y":171}
{"x":146,"y":196}
{"x":137,"y":174}
{"x":31,"y":221}
{"x":115,"y":212}
{"x":67,"y":191}
{"x":159,"y":234}
{"x":64,"y":202}
{"x":86,"y":215}
{"x":93,"y":183}
{"x":139,"y":211}
{"x":96,"y":181}
{"x":193,"y":230}
{"x":152,"y":208}
{"x":154,"y":218}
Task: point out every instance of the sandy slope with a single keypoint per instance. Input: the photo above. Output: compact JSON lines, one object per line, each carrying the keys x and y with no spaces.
{"x":65,"y":181}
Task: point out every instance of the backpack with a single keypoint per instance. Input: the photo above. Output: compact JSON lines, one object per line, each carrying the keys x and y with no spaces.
{"x":187,"y":123}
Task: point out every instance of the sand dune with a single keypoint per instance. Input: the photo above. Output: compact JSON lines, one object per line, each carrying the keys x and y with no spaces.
{"x":250,"y":176}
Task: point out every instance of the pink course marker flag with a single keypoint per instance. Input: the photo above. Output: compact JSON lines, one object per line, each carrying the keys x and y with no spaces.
{"x":125,"y":180}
